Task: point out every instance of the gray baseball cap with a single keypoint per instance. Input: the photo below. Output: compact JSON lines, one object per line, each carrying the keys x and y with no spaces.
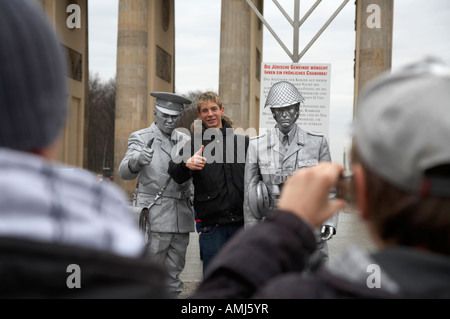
{"x":283,"y":94}
{"x":402,"y":126}
{"x":169,"y":103}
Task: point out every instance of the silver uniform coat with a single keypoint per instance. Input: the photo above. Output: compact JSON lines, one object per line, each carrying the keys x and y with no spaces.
{"x":264,"y":163}
{"x":172,"y":213}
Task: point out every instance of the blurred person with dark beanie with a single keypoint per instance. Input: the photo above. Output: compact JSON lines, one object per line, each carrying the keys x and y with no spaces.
{"x":62,"y":233}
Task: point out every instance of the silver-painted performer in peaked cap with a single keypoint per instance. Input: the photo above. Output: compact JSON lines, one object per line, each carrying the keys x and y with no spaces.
{"x":273,"y":156}
{"x":170,"y":218}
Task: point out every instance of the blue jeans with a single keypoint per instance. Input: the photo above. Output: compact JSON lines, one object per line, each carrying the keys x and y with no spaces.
{"x":213,"y":238}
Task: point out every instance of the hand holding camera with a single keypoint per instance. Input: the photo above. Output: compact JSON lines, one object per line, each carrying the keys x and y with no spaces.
{"x":306,"y":193}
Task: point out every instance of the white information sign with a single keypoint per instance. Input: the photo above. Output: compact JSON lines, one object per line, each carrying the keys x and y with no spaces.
{"x":313,"y":82}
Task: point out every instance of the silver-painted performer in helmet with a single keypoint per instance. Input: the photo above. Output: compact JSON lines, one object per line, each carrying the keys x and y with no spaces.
{"x":273,"y":156}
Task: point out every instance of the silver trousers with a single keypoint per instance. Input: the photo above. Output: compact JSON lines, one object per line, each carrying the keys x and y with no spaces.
{"x":169,"y":250}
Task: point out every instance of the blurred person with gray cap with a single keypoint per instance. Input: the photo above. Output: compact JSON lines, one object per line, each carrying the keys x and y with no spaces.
{"x":279,"y":152}
{"x":53,"y":215}
{"x":400,"y":186}
{"x":167,"y":215}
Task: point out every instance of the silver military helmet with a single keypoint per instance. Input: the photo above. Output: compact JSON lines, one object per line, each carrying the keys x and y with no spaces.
{"x":283,"y":94}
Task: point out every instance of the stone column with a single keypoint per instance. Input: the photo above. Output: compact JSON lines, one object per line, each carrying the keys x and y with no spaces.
{"x":131,"y":87}
{"x":145,"y":63}
{"x":373,"y":53}
{"x":240,"y":62}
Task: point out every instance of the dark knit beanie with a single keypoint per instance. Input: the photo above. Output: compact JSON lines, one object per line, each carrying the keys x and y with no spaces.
{"x":33,"y":100}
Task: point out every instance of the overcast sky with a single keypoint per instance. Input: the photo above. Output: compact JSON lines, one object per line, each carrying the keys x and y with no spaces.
{"x":421,"y":28}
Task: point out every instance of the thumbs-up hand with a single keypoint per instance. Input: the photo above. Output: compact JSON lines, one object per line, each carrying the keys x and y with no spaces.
{"x":145,"y":157}
{"x":197,"y":161}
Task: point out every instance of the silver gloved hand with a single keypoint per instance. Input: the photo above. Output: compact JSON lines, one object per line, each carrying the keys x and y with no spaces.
{"x":145,"y":157}
{"x":142,"y":159}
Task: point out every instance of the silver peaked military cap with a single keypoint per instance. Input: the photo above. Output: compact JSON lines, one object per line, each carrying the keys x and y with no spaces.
{"x":170,"y":103}
{"x":283,"y":94}
{"x":402,"y":126}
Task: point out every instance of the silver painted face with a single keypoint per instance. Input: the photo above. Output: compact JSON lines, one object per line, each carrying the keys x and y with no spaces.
{"x":286,"y":117}
{"x":165,"y":122}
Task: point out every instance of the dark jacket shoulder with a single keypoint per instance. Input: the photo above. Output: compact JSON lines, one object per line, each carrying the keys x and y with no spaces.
{"x":32,"y":269}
